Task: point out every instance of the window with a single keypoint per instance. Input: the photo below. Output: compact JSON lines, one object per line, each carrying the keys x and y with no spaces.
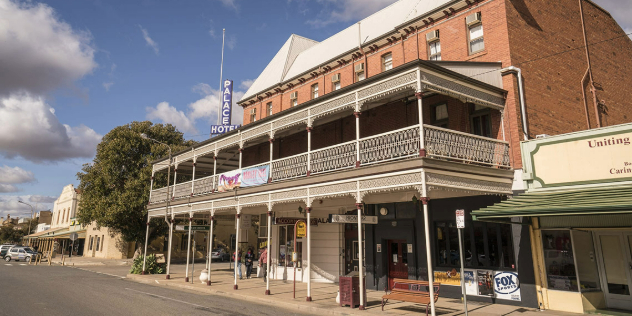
{"x":294,"y":102}
{"x":98,"y":242}
{"x":286,"y":246}
{"x":387,"y":62}
{"x":440,"y":115}
{"x":90,"y":244}
{"x":103,"y":238}
{"x":360,"y":76}
{"x":481,"y":121}
{"x":335,"y":82}
{"x":434,"y":50}
{"x":475,"y":35}
{"x":269,"y":108}
{"x":359,"y":71}
{"x":485,"y":245}
{"x":315,"y":91}
{"x":558,"y":260}
{"x":253,"y":114}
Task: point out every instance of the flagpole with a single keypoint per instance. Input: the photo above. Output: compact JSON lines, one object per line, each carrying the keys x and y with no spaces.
{"x":221,"y":69}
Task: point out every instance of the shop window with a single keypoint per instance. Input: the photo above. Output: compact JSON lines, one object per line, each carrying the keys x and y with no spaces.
{"x":481,"y":121}
{"x":586,"y":261}
{"x":286,"y":246}
{"x":387,"y":62}
{"x":440,"y":115}
{"x":559,"y":260}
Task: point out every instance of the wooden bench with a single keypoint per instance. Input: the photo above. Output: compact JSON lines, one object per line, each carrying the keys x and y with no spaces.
{"x":412,"y":291}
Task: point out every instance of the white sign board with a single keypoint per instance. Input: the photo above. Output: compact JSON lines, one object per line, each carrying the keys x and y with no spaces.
{"x":507,"y":286}
{"x":335,"y":218}
{"x":460,"y":219}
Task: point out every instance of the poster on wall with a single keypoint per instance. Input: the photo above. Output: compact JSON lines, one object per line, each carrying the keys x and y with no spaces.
{"x":255,"y":176}
{"x":229,"y":180}
{"x":452,"y":277}
{"x":506,"y":286}
{"x":470,"y":282}
{"x":485,"y":282}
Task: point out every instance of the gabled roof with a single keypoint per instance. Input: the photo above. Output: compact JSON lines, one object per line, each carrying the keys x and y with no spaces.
{"x":292,"y":61}
{"x":280,"y":64}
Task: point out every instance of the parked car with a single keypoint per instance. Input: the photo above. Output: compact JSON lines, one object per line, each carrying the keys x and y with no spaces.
{"x":4,"y":249}
{"x":220,"y":254}
{"x":19,"y":253}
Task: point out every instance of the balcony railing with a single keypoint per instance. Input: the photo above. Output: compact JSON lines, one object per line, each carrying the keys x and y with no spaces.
{"x":400,"y":144}
{"x":454,"y":145}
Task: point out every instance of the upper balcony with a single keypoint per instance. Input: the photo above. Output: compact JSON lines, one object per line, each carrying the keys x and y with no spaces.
{"x":418,"y":110}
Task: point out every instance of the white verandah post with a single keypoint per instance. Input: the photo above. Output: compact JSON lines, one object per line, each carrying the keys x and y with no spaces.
{"x":237,"y":216}
{"x":186,"y":273}
{"x":420,"y":113}
{"x":360,"y":258}
{"x":268,"y":250}
{"x":146,"y":240}
{"x":308,"y":267}
{"x":210,"y":249}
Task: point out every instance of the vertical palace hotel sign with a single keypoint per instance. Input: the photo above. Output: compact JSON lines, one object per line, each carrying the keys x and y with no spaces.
{"x":225,"y":110}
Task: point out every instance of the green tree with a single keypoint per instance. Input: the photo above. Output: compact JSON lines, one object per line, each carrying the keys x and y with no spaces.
{"x":115,"y":186}
{"x":11,"y":233}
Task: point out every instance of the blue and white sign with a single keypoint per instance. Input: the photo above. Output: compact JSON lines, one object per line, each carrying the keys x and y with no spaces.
{"x":507,"y":286}
{"x":225,"y":110}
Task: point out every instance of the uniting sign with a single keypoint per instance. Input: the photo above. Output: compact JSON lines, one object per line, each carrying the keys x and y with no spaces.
{"x":227,"y":102}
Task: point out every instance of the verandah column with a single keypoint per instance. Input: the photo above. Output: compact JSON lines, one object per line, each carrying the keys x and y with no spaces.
{"x":186,"y":273}
{"x":168,"y":276}
{"x":175,"y":173}
{"x":210,"y":248}
{"x":357,"y":121}
{"x":422,"y":139}
{"x":193,"y":177}
{"x":271,"y":140}
{"x":214,"y":171}
{"x":360,"y":258}
{"x":237,"y":216}
{"x":146,"y":240}
{"x":425,"y":201}
{"x":309,"y":150}
{"x":268,"y":249}
{"x":308,"y":267}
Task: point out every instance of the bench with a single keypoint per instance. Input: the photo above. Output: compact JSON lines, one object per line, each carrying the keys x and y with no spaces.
{"x":412,"y":291}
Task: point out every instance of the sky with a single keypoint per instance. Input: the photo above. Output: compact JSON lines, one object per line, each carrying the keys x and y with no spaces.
{"x":71,"y":70}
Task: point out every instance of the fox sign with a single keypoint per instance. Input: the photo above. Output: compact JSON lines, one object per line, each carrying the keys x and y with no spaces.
{"x":226,"y":106}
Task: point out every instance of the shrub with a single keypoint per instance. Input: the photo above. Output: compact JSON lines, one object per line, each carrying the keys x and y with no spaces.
{"x":151,"y":266}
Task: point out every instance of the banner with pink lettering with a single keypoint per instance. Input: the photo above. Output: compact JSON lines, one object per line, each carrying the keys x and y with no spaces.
{"x":229,"y":180}
{"x":255,"y":176}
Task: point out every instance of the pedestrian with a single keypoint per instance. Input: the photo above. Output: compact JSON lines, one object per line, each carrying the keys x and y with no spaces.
{"x":263,"y":263}
{"x":250,"y":257}
{"x":238,"y":263}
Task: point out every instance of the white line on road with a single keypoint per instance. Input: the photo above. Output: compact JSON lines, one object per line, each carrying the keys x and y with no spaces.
{"x":22,"y":264}
{"x":8,"y":264}
{"x":167,"y":298}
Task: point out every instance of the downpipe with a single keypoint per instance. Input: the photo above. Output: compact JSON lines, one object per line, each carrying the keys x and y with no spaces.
{"x":523,"y":109}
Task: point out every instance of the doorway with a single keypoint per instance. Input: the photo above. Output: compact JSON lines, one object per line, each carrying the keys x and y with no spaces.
{"x":397,"y":261}
{"x":615,"y":265}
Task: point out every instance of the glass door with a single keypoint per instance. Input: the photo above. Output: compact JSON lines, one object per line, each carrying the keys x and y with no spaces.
{"x":616,"y":265}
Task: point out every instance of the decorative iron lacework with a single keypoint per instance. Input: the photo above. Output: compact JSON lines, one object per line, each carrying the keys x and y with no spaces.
{"x":465,"y":183}
{"x":255,"y":199}
{"x":203,"y":206}
{"x":203,"y":185}
{"x":204,"y":150}
{"x":391,"y":181}
{"x":457,"y":90}
{"x":335,"y":188}
{"x":292,"y":194}
{"x":333,"y":106}
{"x":158,"y":195}
{"x":353,"y":195}
{"x":389,"y":86}
{"x":228,"y":142}
{"x":180,"y":209}
{"x":444,"y":143}
{"x":417,"y":188}
{"x":224,"y":203}
{"x":389,"y":146}
{"x":290,"y":120}
{"x":257,"y":131}
{"x":288,"y":168}
{"x":333,"y":158}
{"x":182,"y":190}
{"x":186,"y":156}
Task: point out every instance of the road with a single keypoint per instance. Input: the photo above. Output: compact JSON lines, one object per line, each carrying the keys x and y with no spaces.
{"x":56,"y":290}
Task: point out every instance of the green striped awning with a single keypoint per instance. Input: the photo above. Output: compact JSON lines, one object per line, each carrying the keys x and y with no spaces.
{"x":594,"y":201}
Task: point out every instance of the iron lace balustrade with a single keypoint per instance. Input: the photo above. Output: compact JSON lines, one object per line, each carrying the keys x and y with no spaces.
{"x":290,"y":167}
{"x":182,"y":190}
{"x":454,"y":145}
{"x":397,"y":144}
{"x":158,"y":195}
{"x":335,"y":157}
{"x":204,"y":185}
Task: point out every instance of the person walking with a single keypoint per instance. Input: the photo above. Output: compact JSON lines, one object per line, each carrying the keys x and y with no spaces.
{"x":238,"y":263}
{"x":250,"y":257}
{"x":263,"y":263}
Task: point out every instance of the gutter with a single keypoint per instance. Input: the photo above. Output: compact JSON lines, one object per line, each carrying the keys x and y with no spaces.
{"x":523,"y":108}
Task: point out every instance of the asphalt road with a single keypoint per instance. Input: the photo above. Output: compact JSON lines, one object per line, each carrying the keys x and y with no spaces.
{"x":55,"y":290}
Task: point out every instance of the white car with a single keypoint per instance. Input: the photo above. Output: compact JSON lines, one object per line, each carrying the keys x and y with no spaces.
{"x":19,"y":254}
{"x":220,"y":254}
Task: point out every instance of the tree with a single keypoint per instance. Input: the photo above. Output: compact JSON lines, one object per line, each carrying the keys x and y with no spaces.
{"x":115,"y":186}
{"x":11,"y":233}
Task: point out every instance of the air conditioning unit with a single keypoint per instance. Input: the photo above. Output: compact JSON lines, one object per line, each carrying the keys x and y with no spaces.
{"x":294,"y":95}
{"x":335,"y":78}
{"x":432,"y":36}
{"x":473,"y":19}
{"x":359,"y":68}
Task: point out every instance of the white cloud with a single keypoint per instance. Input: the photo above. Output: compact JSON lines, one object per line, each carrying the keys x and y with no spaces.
{"x":245,"y":84}
{"x":203,"y":89}
{"x":6,"y":188}
{"x":347,"y":11}
{"x":9,"y":205}
{"x":30,"y":129}
{"x":170,"y":115}
{"x":38,"y":51}
{"x":15,"y":175}
{"x":107,"y":86}
{"x":232,"y":4}
{"x":149,"y":40}
{"x":231,"y":42}
{"x":42,"y":199}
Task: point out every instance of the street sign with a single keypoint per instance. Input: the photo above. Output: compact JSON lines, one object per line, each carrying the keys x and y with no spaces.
{"x":353,"y":219}
{"x":73,"y":236}
{"x":193,"y":228}
{"x":301,"y":229}
{"x":460,"y":219}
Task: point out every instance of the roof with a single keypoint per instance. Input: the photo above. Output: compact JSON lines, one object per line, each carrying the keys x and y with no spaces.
{"x":46,"y":233}
{"x":306,"y":54}
{"x":609,"y":200}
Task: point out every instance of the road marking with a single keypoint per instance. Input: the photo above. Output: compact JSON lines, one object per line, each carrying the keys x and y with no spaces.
{"x":8,"y":264}
{"x":22,"y":264}
{"x":167,"y":298}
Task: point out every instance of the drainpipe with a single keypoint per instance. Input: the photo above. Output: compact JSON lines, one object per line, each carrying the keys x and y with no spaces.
{"x":588,"y":72}
{"x":523,"y":109}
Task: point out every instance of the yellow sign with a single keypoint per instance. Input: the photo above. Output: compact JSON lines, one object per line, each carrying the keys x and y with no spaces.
{"x":452,"y":277}
{"x":301,"y":229}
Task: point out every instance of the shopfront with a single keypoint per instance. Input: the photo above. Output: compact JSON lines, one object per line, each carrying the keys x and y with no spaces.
{"x":579,"y":206}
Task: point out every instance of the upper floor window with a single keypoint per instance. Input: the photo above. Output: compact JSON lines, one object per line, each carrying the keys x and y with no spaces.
{"x":359,"y":71}
{"x":315,"y":91}
{"x":335,"y":82}
{"x":440,"y":115}
{"x":475,"y":33}
{"x":434,"y":50}
{"x":253,"y":114}
{"x":269,"y":105}
{"x":387,"y":62}
{"x":481,"y":121}
{"x":294,"y":98}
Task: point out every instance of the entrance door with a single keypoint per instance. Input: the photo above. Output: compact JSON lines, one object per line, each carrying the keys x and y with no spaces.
{"x":397,"y":261}
{"x":616,"y":266}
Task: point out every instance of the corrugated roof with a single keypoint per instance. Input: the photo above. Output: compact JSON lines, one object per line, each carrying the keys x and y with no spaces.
{"x":312,"y":54}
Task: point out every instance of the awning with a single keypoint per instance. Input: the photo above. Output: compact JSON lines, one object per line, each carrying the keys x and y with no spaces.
{"x":594,"y":201}
{"x":66,"y":234}
{"x":47,"y":233}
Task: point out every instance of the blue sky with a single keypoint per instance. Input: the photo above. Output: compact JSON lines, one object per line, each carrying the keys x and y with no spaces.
{"x":73,"y":70}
